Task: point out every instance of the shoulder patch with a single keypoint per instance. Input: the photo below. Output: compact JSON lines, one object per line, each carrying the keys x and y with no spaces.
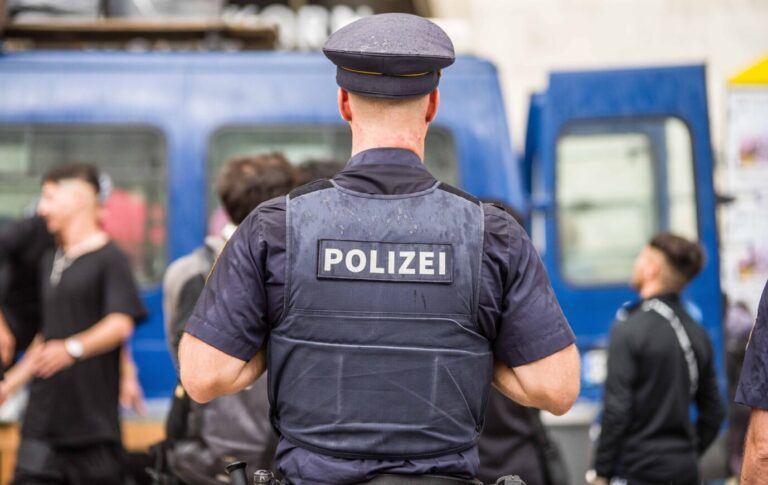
{"x":305,"y":189}
{"x":458,"y":192}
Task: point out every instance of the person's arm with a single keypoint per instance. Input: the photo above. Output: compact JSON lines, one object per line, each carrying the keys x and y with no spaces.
{"x":131,"y":393}
{"x":617,"y":399}
{"x":7,"y":341}
{"x":109,"y":333}
{"x":710,"y":408}
{"x":197,"y":358}
{"x":14,"y":237}
{"x":24,"y":370}
{"x":754,"y":469}
{"x":550,"y":383}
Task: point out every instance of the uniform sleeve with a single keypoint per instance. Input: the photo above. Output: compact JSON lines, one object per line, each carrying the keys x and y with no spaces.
{"x":753,"y":385}
{"x":711,"y":412}
{"x":120,"y":290}
{"x":532,"y":325}
{"x":231,"y":311}
{"x":617,"y":399}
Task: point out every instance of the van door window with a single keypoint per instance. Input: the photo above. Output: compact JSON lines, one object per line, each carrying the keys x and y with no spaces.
{"x":618,"y":183}
{"x":133,"y":157}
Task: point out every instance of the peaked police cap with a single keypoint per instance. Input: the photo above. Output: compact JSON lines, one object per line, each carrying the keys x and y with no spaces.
{"x":392,"y":55}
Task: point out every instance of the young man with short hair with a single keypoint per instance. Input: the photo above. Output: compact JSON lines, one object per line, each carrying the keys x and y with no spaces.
{"x":71,"y":430}
{"x":659,"y":362}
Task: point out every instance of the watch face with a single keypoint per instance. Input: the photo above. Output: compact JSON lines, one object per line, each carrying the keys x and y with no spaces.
{"x":74,"y":348}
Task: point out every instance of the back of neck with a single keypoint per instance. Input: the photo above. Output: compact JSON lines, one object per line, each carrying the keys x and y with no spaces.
{"x":653,"y":289}
{"x":364,"y":138}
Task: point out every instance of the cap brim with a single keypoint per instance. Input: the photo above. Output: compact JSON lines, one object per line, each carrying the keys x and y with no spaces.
{"x":387,"y":86}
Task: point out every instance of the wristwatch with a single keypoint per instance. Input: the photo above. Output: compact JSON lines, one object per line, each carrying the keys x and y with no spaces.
{"x":74,"y":348}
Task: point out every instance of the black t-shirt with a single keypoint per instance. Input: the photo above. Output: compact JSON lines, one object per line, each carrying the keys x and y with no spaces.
{"x":79,"y":405}
{"x":23,"y":244}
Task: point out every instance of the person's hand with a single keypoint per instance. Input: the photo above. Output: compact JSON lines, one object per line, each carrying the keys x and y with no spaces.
{"x":53,"y":358}
{"x":7,"y":343}
{"x":5,"y":392}
{"x":131,"y":394}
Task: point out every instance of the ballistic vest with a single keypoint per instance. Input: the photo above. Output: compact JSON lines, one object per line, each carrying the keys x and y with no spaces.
{"x":378,"y":354}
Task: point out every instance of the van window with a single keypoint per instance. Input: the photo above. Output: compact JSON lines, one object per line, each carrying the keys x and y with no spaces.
{"x":619,"y":182}
{"x":305,"y":143}
{"x":133,"y":157}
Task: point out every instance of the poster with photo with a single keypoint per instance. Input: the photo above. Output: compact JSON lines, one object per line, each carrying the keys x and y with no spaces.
{"x":745,"y":223}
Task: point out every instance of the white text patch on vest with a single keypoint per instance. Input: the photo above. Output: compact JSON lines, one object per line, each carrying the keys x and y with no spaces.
{"x":385,"y":261}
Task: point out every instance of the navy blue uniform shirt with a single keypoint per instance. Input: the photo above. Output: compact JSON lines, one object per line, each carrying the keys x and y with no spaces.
{"x":753,"y":385}
{"x":518,"y":311}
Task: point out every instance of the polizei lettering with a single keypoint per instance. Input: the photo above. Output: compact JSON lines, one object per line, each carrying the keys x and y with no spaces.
{"x":385,"y":261}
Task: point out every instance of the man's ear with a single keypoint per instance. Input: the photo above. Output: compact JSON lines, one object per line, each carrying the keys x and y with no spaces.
{"x":433,"y":103}
{"x":344,"y":110}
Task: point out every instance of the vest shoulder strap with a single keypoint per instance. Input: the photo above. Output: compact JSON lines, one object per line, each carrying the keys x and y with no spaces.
{"x":458,"y":192}
{"x":305,"y":189}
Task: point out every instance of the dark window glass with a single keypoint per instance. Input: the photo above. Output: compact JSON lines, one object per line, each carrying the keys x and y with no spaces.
{"x":133,"y":157}
{"x":619,"y":183}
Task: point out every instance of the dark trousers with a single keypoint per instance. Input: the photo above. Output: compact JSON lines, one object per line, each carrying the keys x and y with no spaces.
{"x":39,"y":463}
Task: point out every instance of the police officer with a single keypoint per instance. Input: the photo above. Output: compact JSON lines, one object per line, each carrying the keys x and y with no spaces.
{"x":387,"y":300}
{"x":753,"y":392}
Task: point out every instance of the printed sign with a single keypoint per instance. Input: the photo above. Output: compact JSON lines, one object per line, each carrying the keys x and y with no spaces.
{"x":383,"y":261}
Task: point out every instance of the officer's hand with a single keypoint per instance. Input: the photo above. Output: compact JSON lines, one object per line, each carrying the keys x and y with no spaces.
{"x":53,"y":358}
{"x":5,"y":392}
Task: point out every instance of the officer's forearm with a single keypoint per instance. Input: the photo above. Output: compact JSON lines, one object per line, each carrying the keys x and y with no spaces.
{"x":551,"y":383}
{"x":208,"y":373}
{"x":755,"y":467}
{"x":505,"y":380}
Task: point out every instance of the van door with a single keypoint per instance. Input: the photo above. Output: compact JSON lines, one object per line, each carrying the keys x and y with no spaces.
{"x":615,"y":157}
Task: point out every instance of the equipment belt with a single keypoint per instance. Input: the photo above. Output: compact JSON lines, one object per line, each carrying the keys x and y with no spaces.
{"x":391,"y":479}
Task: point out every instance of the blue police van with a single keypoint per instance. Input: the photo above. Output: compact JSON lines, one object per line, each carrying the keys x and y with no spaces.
{"x":611,"y":157}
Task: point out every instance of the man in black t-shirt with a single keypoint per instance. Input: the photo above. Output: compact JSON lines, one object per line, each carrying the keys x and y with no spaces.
{"x":71,"y":429}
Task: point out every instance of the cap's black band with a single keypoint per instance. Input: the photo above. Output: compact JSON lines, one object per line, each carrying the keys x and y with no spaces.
{"x":385,"y":85}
